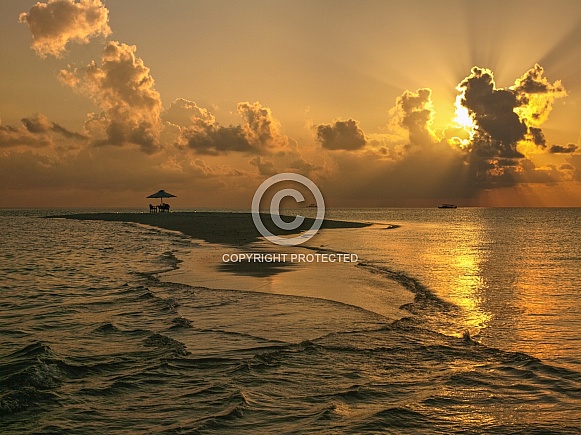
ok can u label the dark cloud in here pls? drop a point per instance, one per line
(213, 139)
(528, 172)
(533, 82)
(91, 169)
(341, 135)
(533, 87)
(56, 23)
(558, 149)
(538, 137)
(499, 127)
(504, 118)
(408, 166)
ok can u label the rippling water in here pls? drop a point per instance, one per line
(514, 273)
(92, 341)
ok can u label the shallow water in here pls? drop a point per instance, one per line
(93, 341)
(514, 273)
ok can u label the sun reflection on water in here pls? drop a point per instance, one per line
(467, 281)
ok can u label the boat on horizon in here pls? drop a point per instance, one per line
(447, 206)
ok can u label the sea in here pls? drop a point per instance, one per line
(98, 336)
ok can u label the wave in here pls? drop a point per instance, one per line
(181, 322)
(106, 328)
(164, 342)
(29, 377)
(231, 408)
(424, 297)
(398, 417)
(160, 360)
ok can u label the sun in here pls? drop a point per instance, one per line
(463, 118)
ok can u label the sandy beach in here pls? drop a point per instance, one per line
(224, 228)
(235, 229)
(232, 234)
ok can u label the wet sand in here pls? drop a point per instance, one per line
(223, 233)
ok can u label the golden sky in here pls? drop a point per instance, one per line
(381, 103)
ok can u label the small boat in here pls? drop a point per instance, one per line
(447, 206)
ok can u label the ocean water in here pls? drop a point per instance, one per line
(94, 338)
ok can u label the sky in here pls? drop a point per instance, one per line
(380, 103)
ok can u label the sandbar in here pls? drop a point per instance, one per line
(228, 228)
(230, 233)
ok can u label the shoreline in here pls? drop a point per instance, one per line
(234, 234)
(340, 282)
(226, 228)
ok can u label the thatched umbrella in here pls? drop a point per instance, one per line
(162, 194)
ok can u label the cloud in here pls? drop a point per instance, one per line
(204, 137)
(341, 135)
(433, 176)
(36, 131)
(94, 169)
(573, 166)
(409, 128)
(507, 125)
(407, 166)
(414, 112)
(123, 88)
(499, 127)
(567, 167)
(261, 128)
(302, 166)
(535, 96)
(182, 112)
(558, 149)
(265, 167)
(483, 149)
(412, 164)
(39, 123)
(56, 23)
(12, 137)
(199, 131)
(259, 134)
(284, 161)
(538, 137)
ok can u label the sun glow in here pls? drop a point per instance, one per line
(463, 118)
(462, 126)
